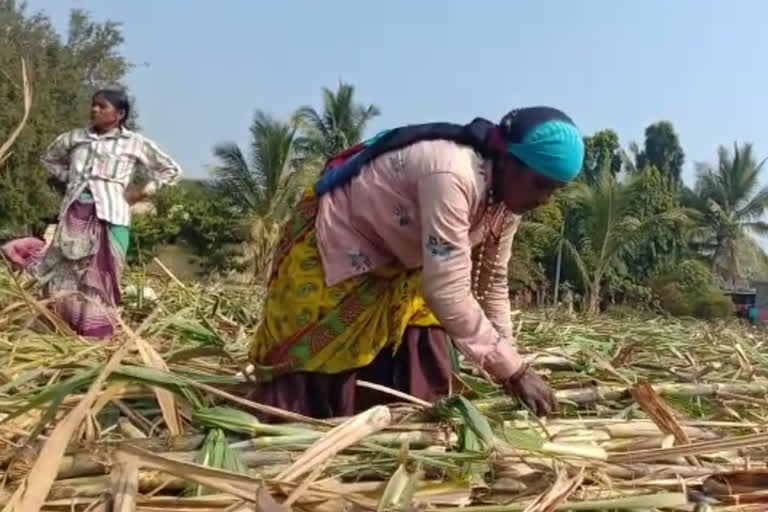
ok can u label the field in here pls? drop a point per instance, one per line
(655, 414)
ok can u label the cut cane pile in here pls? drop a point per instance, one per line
(655, 414)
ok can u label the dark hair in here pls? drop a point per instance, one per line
(118, 99)
(517, 123)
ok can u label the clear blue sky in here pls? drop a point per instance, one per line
(609, 63)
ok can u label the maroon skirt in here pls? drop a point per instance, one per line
(421, 367)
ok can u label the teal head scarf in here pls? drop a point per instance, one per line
(545, 140)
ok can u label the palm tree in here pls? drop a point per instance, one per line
(265, 183)
(605, 229)
(727, 204)
(339, 125)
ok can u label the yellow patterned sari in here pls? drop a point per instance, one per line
(310, 327)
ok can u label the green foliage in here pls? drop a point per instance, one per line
(688, 289)
(662, 150)
(64, 72)
(284, 160)
(148, 233)
(339, 125)
(600, 150)
(535, 247)
(619, 237)
(673, 300)
(212, 227)
(713, 304)
(193, 214)
(266, 181)
(666, 241)
(607, 231)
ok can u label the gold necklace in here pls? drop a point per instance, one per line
(491, 216)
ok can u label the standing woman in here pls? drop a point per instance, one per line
(401, 250)
(81, 268)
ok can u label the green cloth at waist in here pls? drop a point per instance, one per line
(119, 235)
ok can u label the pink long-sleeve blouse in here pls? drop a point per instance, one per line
(426, 206)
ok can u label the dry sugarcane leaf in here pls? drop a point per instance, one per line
(165, 398)
(267, 409)
(299, 491)
(235, 484)
(560, 491)
(106, 396)
(266, 503)
(43, 472)
(337, 439)
(660, 413)
(125, 484)
(130, 430)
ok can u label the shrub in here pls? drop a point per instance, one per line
(688, 289)
(673, 300)
(148, 233)
(712, 304)
(195, 215)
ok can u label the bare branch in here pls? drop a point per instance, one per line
(6, 146)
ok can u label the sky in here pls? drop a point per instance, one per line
(204, 67)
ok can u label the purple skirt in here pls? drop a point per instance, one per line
(421, 367)
(80, 271)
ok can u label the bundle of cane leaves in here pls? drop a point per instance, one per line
(184, 325)
(241, 422)
(476, 436)
(217, 454)
(461, 411)
(51, 397)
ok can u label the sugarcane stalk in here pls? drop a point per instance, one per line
(125, 484)
(558, 423)
(597, 394)
(415, 438)
(268, 463)
(130, 430)
(100, 484)
(702, 448)
(648, 501)
(640, 470)
(352, 431)
(153, 444)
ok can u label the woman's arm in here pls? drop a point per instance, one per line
(161, 168)
(56, 157)
(444, 203)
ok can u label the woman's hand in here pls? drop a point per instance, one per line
(528, 387)
(133, 195)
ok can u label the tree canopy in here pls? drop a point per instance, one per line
(617, 234)
(64, 71)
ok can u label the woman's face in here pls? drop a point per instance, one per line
(523, 189)
(104, 115)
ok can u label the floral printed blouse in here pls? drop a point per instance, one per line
(425, 206)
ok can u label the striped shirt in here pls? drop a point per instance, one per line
(105, 164)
